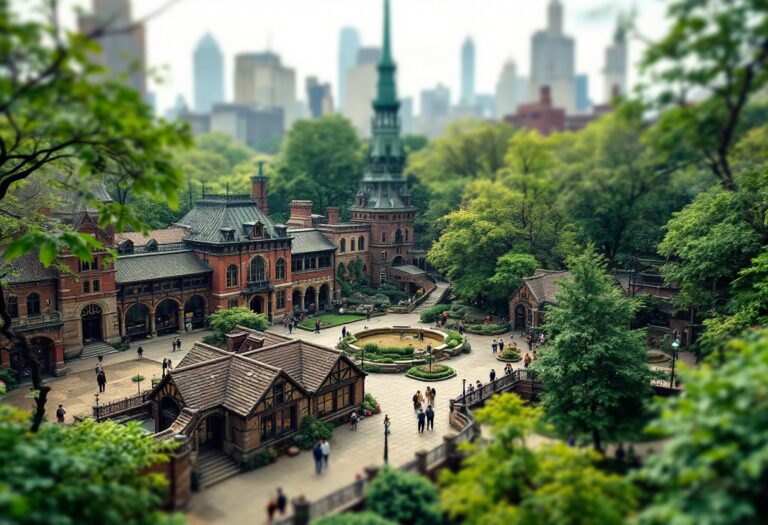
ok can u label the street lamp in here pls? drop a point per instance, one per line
(429, 357)
(97, 407)
(463, 391)
(386, 438)
(675, 345)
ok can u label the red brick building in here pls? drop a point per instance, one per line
(541, 115)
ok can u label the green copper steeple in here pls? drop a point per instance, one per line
(386, 91)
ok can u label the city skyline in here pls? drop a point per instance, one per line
(309, 43)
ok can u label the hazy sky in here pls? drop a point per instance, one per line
(427, 36)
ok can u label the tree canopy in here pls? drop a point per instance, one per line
(224, 321)
(403, 498)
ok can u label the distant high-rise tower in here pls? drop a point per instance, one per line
(262, 81)
(209, 74)
(361, 89)
(122, 52)
(583, 104)
(349, 43)
(616, 63)
(511, 90)
(467, 72)
(319, 98)
(553, 61)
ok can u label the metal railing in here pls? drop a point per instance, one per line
(36, 320)
(108, 410)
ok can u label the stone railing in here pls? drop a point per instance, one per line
(36, 321)
(130, 405)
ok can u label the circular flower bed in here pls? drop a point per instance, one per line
(438, 373)
(657, 357)
(509, 356)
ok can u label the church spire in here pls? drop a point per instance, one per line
(386, 92)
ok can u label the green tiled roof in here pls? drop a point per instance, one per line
(308, 241)
(214, 213)
(159, 265)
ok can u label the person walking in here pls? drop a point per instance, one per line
(343, 332)
(140, 351)
(620, 454)
(317, 326)
(416, 401)
(501, 345)
(169, 365)
(282, 501)
(419, 397)
(353, 420)
(421, 335)
(317, 454)
(101, 379)
(471, 391)
(290, 326)
(461, 327)
(100, 360)
(530, 342)
(271, 509)
(326, 449)
(527, 360)
(428, 395)
(432, 395)
(165, 366)
(430, 418)
(494, 345)
(60, 413)
(421, 418)
(492, 375)
(368, 314)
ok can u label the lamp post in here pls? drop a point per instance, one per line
(429, 357)
(675, 345)
(97, 407)
(386, 439)
(463, 391)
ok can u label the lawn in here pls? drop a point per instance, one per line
(330, 320)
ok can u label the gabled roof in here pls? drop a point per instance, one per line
(268, 337)
(214, 213)
(543, 285)
(170, 235)
(201, 352)
(26, 269)
(158, 265)
(309, 241)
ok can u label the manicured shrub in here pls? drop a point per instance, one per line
(488, 329)
(430, 314)
(372, 369)
(260, 459)
(369, 402)
(510, 354)
(438, 371)
(404, 498)
(350, 518)
(311, 431)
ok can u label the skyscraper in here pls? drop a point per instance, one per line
(467, 73)
(209, 74)
(616, 62)
(435, 107)
(263, 82)
(583, 104)
(122, 52)
(349, 43)
(319, 98)
(511, 90)
(361, 89)
(553, 61)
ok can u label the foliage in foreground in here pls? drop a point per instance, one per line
(404, 498)
(223, 322)
(504, 482)
(349, 518)
(87, 473)
(714, 469)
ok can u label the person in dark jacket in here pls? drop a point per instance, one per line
(421, 418)
(317, 454)
(430, 418)
(101, 379)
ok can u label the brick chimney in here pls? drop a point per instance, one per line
(301, 215)
(259, 189)
(545, 96)
(333, 214)
(235, 340)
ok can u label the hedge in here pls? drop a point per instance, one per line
(438, 372)
(373, 348)
(488, 329)
(430, 314)
(510, 356)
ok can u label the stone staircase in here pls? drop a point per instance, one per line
(215, 466)
(433, 298)
(96, 349)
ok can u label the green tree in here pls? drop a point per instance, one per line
(510, 270)
(414, 142)
(503, 482)
(224, 321)
(717, 48)
(225, 146)
(357, 518)
(594, 371)
(42, 474)
(322, 161)
(714, 468)
(403, 498)
(54, 118)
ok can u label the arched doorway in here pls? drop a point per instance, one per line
(167, 317)
(397, 261)
(91, 317)
(310, 299)
(137, 321)
(520, 317)
(296, 299)
(211, 435)
(257, 304)
(194, 312)
(325, 296)
(169, 411)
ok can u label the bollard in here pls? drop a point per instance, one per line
(421, 462)
(300, 511)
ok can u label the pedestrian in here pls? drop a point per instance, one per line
(620, 453)
(430, 418)
(471, 391)
(140, 351)
(571, 441)
(271, 509)
(432, 395)
(530, 342)
(421, 335)
(527, 360)
(494, 345)
(101, 379)
(290, 326)
(165, 366)
(101, 359)
(173, 345)
(368, 314)
(461, 327)
(427, 394)
(178, 344)
(416, 401)
(541, 338)
(317, 454)
(421, 418)
(317, 326)
(501, 345)
(343, 332)
(493, 375)
(169, 365)
(353, 420)
(282, 501)
(326, 448)
(402, 334)
(419, 397)
(60, 413)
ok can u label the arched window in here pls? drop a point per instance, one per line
(352, 245)
(12, 305)
(383, 236)
(406, 234)
(361, 243)
(343, 245)
(280, 269)
(257, 270)
(398, 236)
(33, 304)
(231, 275)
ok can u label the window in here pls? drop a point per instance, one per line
(232, 275)
(324, 260)
(96, 286)
(383, 236)
(87, 266)
(232, 303)
(352, 245)
(325, 403)
(383, 256)
(406, 234)
(12, 305)
(280, 299)
(279, 394)
(257, 270)
(361, 243)
(345, 396)
(398, 236)
(280, 269)
(310, 263)
(343, 245)
(267, 427)
(86, 287)
(33, 304)
(297, 264)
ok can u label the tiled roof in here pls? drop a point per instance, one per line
(203, 385)
(212, 213)
(543, 284)
(306, 363)
(409, 269)
(26, 269)
(158, 265)
(199, 353)
(247, 382)
(170, 235)
(269, 338)
(308, 241)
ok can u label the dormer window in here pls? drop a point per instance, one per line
(258, 231)
(152, 245)
(227, 234)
